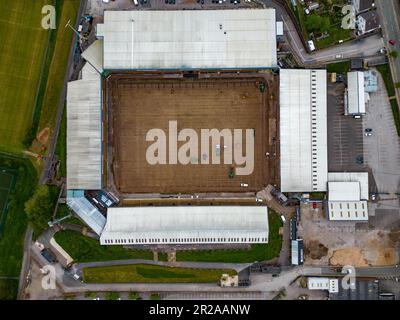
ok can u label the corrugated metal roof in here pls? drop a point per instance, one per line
(217, 224)
(192, 39)
(87, 212)
(348, 210)
(355, 93)
(303, 130)
(84, 131)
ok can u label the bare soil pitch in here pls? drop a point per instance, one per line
(137, 105)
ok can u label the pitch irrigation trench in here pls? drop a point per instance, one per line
(136, 104)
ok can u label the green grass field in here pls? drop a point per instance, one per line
(84, 249)
(22, 46)
(58, 65)
(151, 273)
(6, 184)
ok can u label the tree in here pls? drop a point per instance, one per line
(133, 295)
(155, 296)
(397, 85)
(325, 24)
(39, 208)
(394, 54)
(112, 296)
(313, 23)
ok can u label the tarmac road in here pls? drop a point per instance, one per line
(366, 47)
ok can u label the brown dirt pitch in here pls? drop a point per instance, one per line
(137, 105)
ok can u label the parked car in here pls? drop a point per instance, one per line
(283, 218)
(392, 42)
(368, 134)
(311, 45)
(368, 130)
(48, 255)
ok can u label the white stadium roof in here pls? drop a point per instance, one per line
(84, 131)
(192, 39)
(186, 225)
(94, 55)
(303, 130)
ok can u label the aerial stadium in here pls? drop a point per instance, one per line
(189, 71)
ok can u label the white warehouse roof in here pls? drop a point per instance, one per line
(191, 39)
(361, 177)
(84, 131)
(348, 210)
(332, 285)
(344, 191)
(185, 225)
(303, 130)
(355, 100)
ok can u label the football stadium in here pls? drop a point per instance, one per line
(155, 81)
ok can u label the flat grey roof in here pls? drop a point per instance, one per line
(303, 130)
(192, 39)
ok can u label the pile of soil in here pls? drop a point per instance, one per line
(315, 250)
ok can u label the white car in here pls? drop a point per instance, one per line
(311, 45)
(283, 218)
(244, 185)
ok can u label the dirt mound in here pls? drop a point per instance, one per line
(315, 250)
(348, 256)
(43, 136)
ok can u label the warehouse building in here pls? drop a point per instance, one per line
(316, 283)
(348, 196)
(303, 130)
(185, 225)
(354, 98)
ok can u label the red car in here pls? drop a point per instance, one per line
(392, 42)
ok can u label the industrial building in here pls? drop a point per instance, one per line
(348, 196)
(316, 283)
(303, 129)
(354, 98)
(297, 252)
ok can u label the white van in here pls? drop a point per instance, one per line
(311, 45)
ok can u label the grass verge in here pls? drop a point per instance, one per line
(340, 67)
(390, 88)
(151, 273)
(84, 249)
